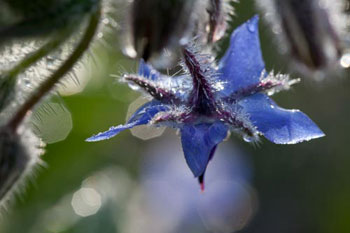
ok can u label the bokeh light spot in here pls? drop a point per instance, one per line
(52, 122)
(86, 202)
(143, 132)
(345, 60)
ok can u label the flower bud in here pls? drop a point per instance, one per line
(153, 25)
(43, 17)
(219, 12)
(29, 9)
(18, 154)
(310, 31)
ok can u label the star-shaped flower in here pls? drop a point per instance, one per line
(208, 101)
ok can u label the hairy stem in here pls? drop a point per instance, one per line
(50, 83)
(37, 55)
(9, 77)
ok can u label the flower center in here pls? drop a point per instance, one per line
(201, 99)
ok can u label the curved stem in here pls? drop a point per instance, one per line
(37, 55)
(50, 83)
(9, 77)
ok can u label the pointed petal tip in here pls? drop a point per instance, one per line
(308, 136)
(90, 139)
(147, 70)
(201, 183)
(98, 137)
(316, 135)
(142, 62)
(94, 138)
(202, 186)
(255, 18)
(144, 68)
(279, 125)
(319, 134)
(242, 64)
(199, 143)
(253, 24)
(111, 132)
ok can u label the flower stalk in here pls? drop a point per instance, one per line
(50, 83)
(9, 78)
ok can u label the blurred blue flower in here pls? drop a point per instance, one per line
(208, 101)
(171, 200)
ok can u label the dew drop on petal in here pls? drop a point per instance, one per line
(134, 87)
(144, 132)
(251, 27)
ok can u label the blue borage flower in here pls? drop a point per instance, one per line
(208, 101)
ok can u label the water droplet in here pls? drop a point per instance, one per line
(270, 93)
(105, 21)
(133, 86)
(247, 138)
(27, 83)
(345, 60)
(251, 27)
(99, 35)
(276, 29)
(129, 51)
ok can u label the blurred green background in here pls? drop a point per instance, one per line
(298, 188)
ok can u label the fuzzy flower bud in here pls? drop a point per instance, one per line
(41, 17)
(18, 154)
(28, 9)
(310, 31)
(157, 24)
(218, 12)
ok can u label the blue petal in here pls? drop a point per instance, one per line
(142, 116)
(198, 141)
(279, 125)
(147, 111)
(148, 71)
(242, 65)
(177, 84)
(111, 132)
